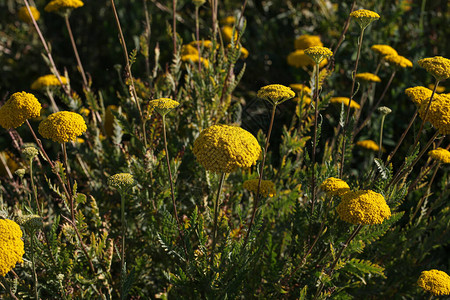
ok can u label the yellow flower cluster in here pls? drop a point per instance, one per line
(435, 281)
(25, 16)
(305, 41)
(300, 88)
(364, 207)
(418, 94)
(298, 58)
(440, 154)
(318, 53)
(224, 148)
(369, 77)
(437, 66)
(244, 52)
(267, 187)
(163, 105)
(62, 126)
(364, 17)
(202, 43)
(439, 89)
(335, 186)
(340, 100)
(227, 32)
(20, 107)
(62, 6)
(439, 112)
(398, 61)
(121, 181)
(47, 81)
(230, 20)
(384, 50)
(275, 93)
(368, 144)
(193, 58)
(11, 245)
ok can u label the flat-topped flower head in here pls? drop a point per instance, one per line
(398, 61)
(384, 50)
(30, 152)
(276, 93)
(438, 113)
(384, 110)
(318, 53)
(63, 7)
(20, 107)
(364, 207)
(224, 148)
(334, 186)
(193, 59)
(11, 245)
(340, 100)
(31, 223)
(440, 154)
(364, 17)
(267, 187)
(121, 181)
(368, 144)
(437, 66)
(24, 15)
(163, 105)
(62, 126)
(47, 81)
(418, 94)
(305, 41)
(435, 281)
(368, 77)
(299, 59)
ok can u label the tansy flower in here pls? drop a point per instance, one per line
(437, 66)
(230, 20)
(318, 53)
(369, 77)
(11, 245)
(267, 187)
(335, 186)
(398, 61)
(435, 281)
(440, 154)
(368, 144)
(121, 181)
(364, 207)
(364, 17)
(62, 126)
(193, 58)
(340, 100)
(25, 16)
(188, 49)
(439, 112)
(275, 93)
(63, 6)
(418, 94)
(47, 81)
(384, 50)
(227, 32)
(20, 107)
(439, 89)
(305, 41)
(224, 148)
(163, 105)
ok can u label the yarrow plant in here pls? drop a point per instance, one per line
(334, 186)
(434, 281)
(267, 188)
(62, 127)
(20, 107)
(11, 245)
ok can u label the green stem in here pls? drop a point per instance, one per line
(381, 136)
(33, 187)
(216, 212)
(426, 195)
(425, 115)
(33, 265)
(313, 154)
(124, 232)
(197, 36)
(74, 47)
(174, 26)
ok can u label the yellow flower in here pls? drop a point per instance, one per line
(300, 88)
(267, 187)
(440, 154)
(11, 245)
(227, 32)
(418, 94)
(335, 186)
(398, 61)
(318, 53)
(121, 181)
(305, 41)
(62, 126)
(224, 148)
(189, 49)
(437, 66)
(364, 17)
(63, 6)
(203, 43)
(384, 50)
(230, 20)
(364, 207)
(198, 2)
(340, 100)
(275, 93)
(193, 58)
(369, 77)
(244, 52)
(47, 81)
(299, 59)
(163, 105)
(25, 16)
(20, 107)
(435, 281)
(368, 144)
(439, 112)
(439, 89)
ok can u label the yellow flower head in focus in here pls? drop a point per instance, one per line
(364, 207)
(121, 181)
(340, 100)
(163, 105)
(440, 154)
(189, 49)
(25, 16)
(193, 58)
(437, 66)
(435, 281)
(439, 89)
(418, 94)
(20, 107)
(305, 41)
(318, 53)
(47, 81)
(275, 93)
(335, 186)
(398, 61)
(384, 50)
(224, 148)
(11, 245)
(364, 17)
(368, 144)
(227, 33)
(267, 187)
(63, 7)
(439, 112)
(230, 20)
(62, 126)
(369, 77)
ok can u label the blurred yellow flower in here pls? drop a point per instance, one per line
(439, 89)
(435, 281)
(230, 20)
(25, 16)
(340, 100)
(418, 94)
(188, 49)
(47, 81)
(368, 144)
(202, 43)
(300, 88)
(193, 58)
(384, 50)
(11, 245)
(227, 33)
(275, 93)
(437, 66)
(440, 154)
(62, 126)
(334, 186)
(299, 59)
(267, 187)
(20, 107)
(398, 61)
(305, 41)
(369, 77)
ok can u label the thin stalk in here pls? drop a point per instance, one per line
(197, 37)
(174, 26)
(8, 287)
(33, 265)
(426, 194)
(66, 164)
(214, 6)
(52, 99)
(426, 114)
(75, 51)
(381, 136)
(180, 231)
(391, 155)
(33, 187)
(313, 154)
(216, 212)
(148, 34)
(124, 232)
